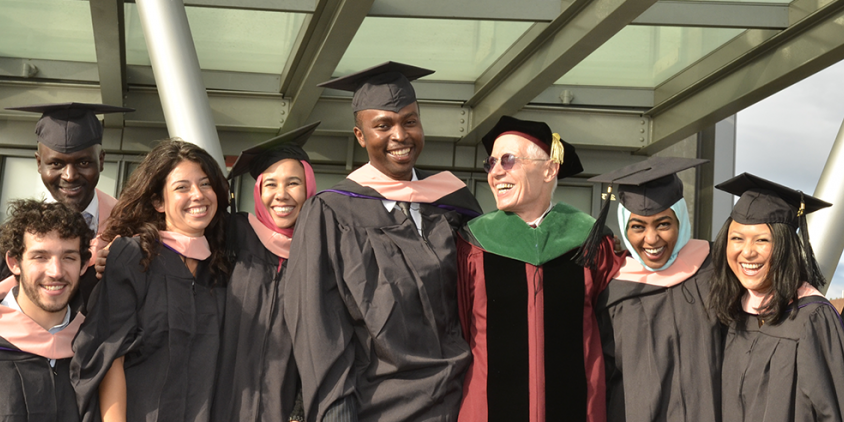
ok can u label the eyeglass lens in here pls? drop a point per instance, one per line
(507, 161)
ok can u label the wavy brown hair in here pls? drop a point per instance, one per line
(787, 271)
(135, 214)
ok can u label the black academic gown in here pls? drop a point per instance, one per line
(166, 324)
(258, 379)
(33, 391)
(372, 307)
(662, 351)
(793, 371)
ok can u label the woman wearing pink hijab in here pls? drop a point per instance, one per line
(258, 380)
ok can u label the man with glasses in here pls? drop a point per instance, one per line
(525, 305)
(369, 295)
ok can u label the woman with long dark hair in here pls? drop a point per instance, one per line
(148, 348)
(258, 378)
(784, 352)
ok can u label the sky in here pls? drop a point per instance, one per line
(787, 137)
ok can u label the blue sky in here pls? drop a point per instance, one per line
(787, 137)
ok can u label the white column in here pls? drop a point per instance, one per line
(177, 76)
(826, 227)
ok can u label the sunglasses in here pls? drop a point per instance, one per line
(507, 161)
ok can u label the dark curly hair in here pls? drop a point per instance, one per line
(135, 213)
(787, 271)
(40, 217)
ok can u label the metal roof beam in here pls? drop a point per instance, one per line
(803, 49)
(333, 27)
(571, 37)
(109, 40)
(715, 14)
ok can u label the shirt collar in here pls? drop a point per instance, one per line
(93, 208)
(538, 221)
(390, 204)
(11, 302)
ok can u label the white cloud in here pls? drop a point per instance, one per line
(787, 137)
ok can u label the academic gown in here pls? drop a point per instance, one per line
(662, 349)
(258, 380)
(165, 322)
(793, 371)
(30, 389)
(88, 280)
(371, 306)
(528, 314)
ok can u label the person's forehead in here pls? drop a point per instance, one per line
(48, 241)
(510, 143)
(90, 152)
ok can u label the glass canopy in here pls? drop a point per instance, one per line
(47, 29)
(646, 56)
(459, 50)
(227, 39)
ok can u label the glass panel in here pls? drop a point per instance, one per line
(227, 39)
(20, 180)
(459, 50)
(47, 29)
(646, 56)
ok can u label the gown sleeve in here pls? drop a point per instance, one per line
(820, 367)
(110, 329)
(319, 322)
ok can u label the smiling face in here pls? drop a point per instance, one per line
(188, 201)
(654, 237)
(749, 249)
(525, 188)
(283, 191)
(392, 140)
(48, 271)
(71, 178)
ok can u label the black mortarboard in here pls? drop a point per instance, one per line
(651, 186)
(70, 127)
(645, 188)
(763, 201)
(383, 87)
(540, 134)
(258, 158)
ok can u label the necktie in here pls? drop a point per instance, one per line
(405, 208)
(88, 218)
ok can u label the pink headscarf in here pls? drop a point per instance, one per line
(266, 231)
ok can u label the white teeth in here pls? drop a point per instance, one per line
(53, 288)
(504, 186)
(400, 152)
(654, 251)
(748, 266)
(197, 210)
(283, 210)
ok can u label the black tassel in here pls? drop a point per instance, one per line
(813, 269)
(231, 251)
(587, 256)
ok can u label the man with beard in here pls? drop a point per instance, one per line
(47, 248)
(70, 158)
(370, 285)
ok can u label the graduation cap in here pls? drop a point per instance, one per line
(260, 157)
(383, 87)
(70, 127)
(540, 134)
(762, 201)
(645, 188)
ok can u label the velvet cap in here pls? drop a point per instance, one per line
(535, 131)
(763, 201)
(70, 127)
(383, 87)
(651, 186)
(260, 157)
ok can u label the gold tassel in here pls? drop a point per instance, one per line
(557, 150)
(802, 209)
